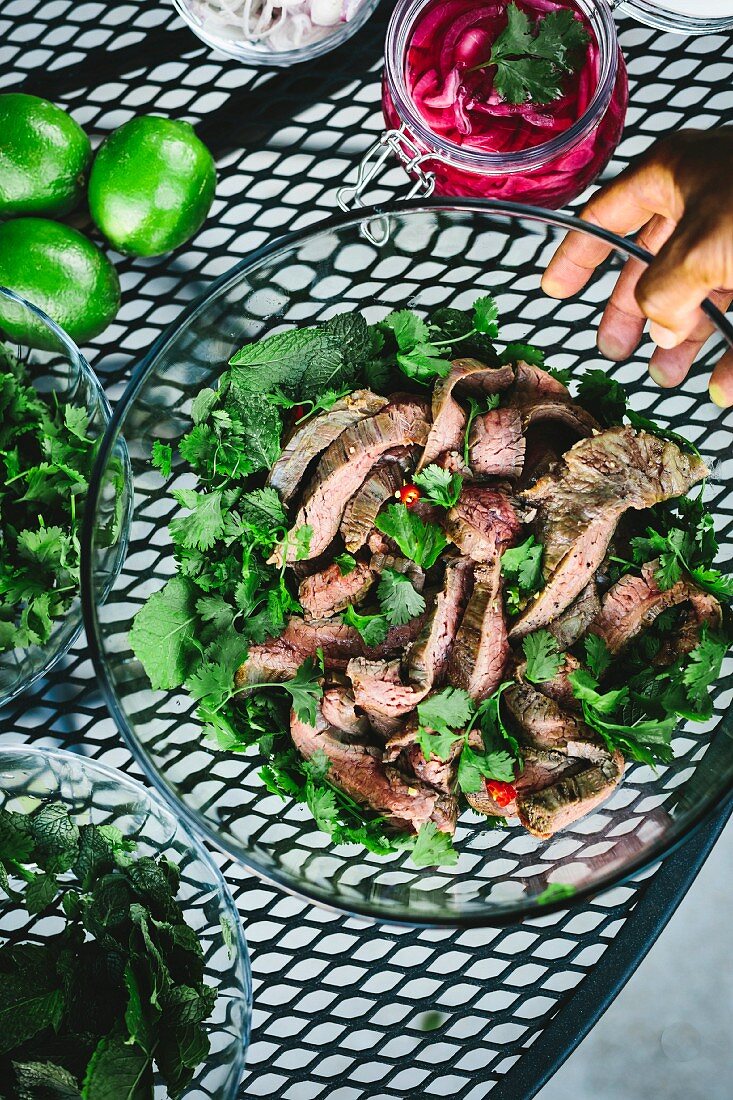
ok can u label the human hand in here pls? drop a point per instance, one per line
(679, 197)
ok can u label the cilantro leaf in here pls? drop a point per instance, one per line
(303, 536)
(446, 710)
(597, 656)
(521, 567)
(408, 327)
(422, 542)
(305, 689)
(372, 628)
(203, 526)
(527, 353)
(543, 657)
(585, 688)
(423, 363)
(439, 485)
(485, 316)
(474, 767)
(433, 848)
(162, 457)
(531, 66)
(398, 599)
(704, 665)
(603, 397)
(436, 744)
(346, 563)
(163, 635)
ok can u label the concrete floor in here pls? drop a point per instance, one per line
(669, 1035)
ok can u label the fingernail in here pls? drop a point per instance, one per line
(664, 337)
(610, 347)
(658, 375)
(718, 396)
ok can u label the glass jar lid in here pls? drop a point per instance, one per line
(681, 16)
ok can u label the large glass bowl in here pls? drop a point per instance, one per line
(441, 253)
(58, 370)
(95, 794)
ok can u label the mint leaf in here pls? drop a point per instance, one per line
(422, 542)
(163, 635)
(29, 1003)
(118, 1070)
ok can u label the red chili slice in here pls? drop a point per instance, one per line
(502, 793)
(409, 495)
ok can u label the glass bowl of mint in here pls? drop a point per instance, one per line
(53, 414)
(214, 667)
(123, 966)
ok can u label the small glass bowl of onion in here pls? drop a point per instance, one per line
(274, 32)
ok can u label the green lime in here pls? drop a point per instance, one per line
(44, 157)
(151, 186)
(61, 272)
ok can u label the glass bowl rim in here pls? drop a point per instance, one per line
(245, 52)
(77, 357)
(513, 212)
(194, 842)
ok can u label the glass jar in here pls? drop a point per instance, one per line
(549, 173)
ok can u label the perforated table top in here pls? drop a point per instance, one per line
(343, 1009)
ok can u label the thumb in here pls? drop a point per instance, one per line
(677, 280)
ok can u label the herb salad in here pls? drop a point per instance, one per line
(95, 1009)
(385, 587)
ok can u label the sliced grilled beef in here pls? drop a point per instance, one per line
(428, 657)
(378, 688)
(532, 385)
(357, 768)
(363, 508)
(280, 658)
(496, 444)
(564, 414)
(481, 650)
(542, 724)
(634, 603)
(403, 747)
(572, 623)
(345, 466)
(339, 710)
(545, 812)
(411, 569)
(311, 438)
(581, 502)
(482, 523)
(323, 594)
(449, 418)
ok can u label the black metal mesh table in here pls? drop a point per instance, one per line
(343, 1009)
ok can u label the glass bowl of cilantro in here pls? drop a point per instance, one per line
(285, 339)
(53, 413)
(122, 956)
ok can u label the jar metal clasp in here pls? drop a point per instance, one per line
(397, 143)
